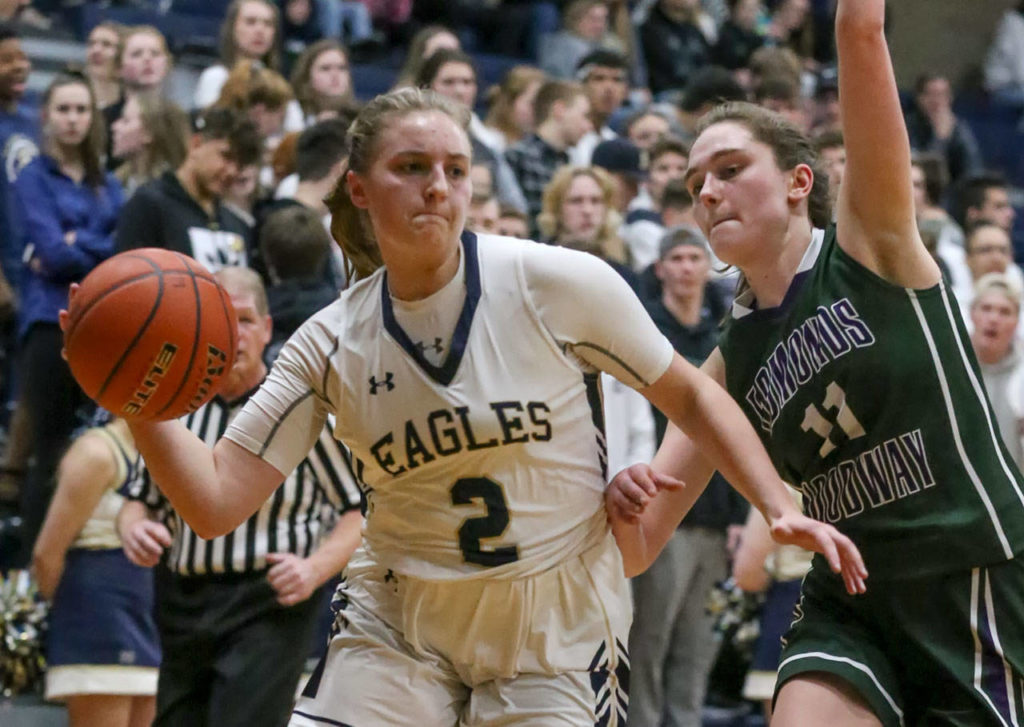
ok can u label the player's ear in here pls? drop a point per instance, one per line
(356, 189)
(801, 181)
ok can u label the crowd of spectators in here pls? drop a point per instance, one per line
(583, 142)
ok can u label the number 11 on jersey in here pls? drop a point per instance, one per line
(815, 421)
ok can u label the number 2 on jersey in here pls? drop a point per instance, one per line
(493, 524)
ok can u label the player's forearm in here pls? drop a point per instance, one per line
(333, 553)
(713, 430)
(718, 427)
(182, 465)
(634, 545)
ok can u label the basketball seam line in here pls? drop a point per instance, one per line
(138, 335)
(195, 340)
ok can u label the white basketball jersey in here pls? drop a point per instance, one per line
(490, 464)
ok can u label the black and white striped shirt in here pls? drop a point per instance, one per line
(292, 520)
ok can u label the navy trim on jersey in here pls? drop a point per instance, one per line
(595, 398)
(645, 215)
(779, 311)
(324, 720)
(444, 373)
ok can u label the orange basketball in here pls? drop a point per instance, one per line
(150, 334)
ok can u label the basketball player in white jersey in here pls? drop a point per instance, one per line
(462, 371)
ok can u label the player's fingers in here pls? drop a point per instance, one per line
(146, 544)
(853, 564)
(132, 553)
(827, 547)
(140, 556)
(642, 476)
(631, 504)
(280, 576)
(667, 482)
(635, 493)
(160, 534)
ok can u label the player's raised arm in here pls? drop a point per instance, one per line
(875, 218)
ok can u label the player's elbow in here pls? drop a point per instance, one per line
(207, 530)
(852, 26)
(633, 569)
(209, 523)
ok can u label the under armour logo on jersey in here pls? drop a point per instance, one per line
(436, 345)
(388, 383)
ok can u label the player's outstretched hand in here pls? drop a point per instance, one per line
(144, 542)
(292, 577)
(633, 489)
(840, 552)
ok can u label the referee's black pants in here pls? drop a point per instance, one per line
(232, 656)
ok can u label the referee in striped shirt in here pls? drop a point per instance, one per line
(235, 613)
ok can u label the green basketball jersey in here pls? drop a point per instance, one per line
(868, 398)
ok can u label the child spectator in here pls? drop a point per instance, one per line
(320, 153)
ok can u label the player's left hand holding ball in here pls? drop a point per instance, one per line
(149, 334)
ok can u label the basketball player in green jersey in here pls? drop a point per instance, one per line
(848, 354)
